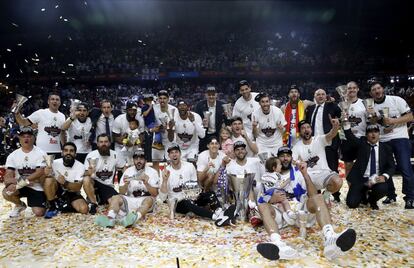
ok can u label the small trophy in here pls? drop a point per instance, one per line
(22, 182)
(172, 204)
(369, 104)
(228, 110)
(263, 157)
(92, 163)
(172, 118)
(207, 115)
(20, 100)
(49, 160)
(74, 103)
(344, 104)
(303, 218)
(385, 112)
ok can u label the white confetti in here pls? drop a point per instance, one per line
(86, 3)
(21, 71)
(14, 24)
(56, 6)
(26, 61)
(51, 57)
(36, 55)
(36, 72)
(63, 72)
(65, 19)
(4, 66)
(43, 9)
(7, 75)
(139, 41)
(61, 17)
(19, 44)
(9, 50)
(70, 64)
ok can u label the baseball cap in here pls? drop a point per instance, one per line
(284, 150)
(260, 96)
(243, 83)
(238, 144)
(163, 92)
(25, 130)
(139, 152)
(131, 105)
(173, 146)
(211, 89)
(302, 122)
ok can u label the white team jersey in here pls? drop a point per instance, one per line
(397, 106)
(357, 118)
(187, 133)
(182, 181)
(252, 165)
(268, 133)
(137, 186)
(204, 159)
(72, 174)
(313, 153)
(106, 166)
(79, 133)
(244, 109)
(25, 164)
(49, 125)
(164, 118)
(121, 126)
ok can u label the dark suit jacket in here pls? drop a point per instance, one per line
(202, 106)
(94, 114)
(386, 159)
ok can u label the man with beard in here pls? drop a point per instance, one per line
(180, 186)
(24, 176)
(312, 151)
(137, 190)
(98, 182)
(164, 113)
(239, 134)
(63, 183)
(245, 105)
(394, 114)
(49, 124)
(335, 244)
(294, 112)
(189, 130)
(268, 125)
(121, 126)
(79, 127)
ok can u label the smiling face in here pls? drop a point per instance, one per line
(213, 146)
(265, 104)
(245, 92)
(352, 90)
(320, 96)
(377, 91)
(240, 153)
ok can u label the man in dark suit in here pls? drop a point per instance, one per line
(213, 123)
(318, 115)
(374, 165)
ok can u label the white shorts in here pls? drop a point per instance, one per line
(133, 204)
(159, 155)
(272, 150)
(190, 153)
(320, 178)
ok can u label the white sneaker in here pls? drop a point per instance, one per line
(277, 250)
(290, 218)
(17, 210)
(336, 244)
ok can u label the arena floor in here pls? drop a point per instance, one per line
(385, 239)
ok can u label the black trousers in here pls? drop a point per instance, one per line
(198, 207)
(358, 192)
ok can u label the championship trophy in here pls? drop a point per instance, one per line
(49, 161)
(303, 219)
(22, 182)
(92, 163)
(263, 157)
(172, 204)
(228, 110)
(207, 115)
(241, 186)
(385, 112)
(74, 103)
(344, 104)
(20, 100)
(369, 104)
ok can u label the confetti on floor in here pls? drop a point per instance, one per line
(385, 239)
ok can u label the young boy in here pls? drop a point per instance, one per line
(150, 122)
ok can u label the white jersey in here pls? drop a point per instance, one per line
(252, 165)
(136, 185)
(313, 153)
(357, 118)
(25, 164)
(49, 125)
(162, 118)
(188, 134)
(244, 109)
(397, 107)
(204, 159)
(248, 150)
(72, 174)
(79, 133)
(121, 127)
(106, 166)
(183, 183)
(268, 133)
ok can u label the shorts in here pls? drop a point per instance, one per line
(348, 151)
(320, 178)
(133, 204)
(272, 150)
(65, 199)
(190, 154)
(103, 192)
(159, 155)
(34, 198)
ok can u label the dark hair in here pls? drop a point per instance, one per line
(236, 118)
(293, 87)
(302, 122)
(243, 83)
(103, 135)
(104, 101)
(373, 83)
(69, 143)
(271, 162)
(55, 93)
(134, 120)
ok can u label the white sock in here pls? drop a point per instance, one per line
(327, 230)
(112, 214)
(275, 237)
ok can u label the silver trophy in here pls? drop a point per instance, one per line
(241, 186)
(369, 104)
(228, 110)
(207, 115)
(20, 100)
(92, 163)
(385, 113)
(274, 102)
(49, 160)
(344, 104)
(22, 182)
(191, 189)
(303, 219)
(263, 157)
(74, 103)
(172, 205)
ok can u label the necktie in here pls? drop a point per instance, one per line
(313, 119)
(372, 168)
(107, 129)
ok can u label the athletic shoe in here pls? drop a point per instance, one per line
(92, 208)
(129, 219)
(389, 200)
(226, 217)
(17, 210)
(289, 218)
(336, 244)
(51, 213)
(276, 250)
(104, 221)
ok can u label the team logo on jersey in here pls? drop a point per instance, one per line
(268, 131)
(66, 174)
(311, 162)
(249, 117)
(26, 158)
(185, 137)
(26, 171)
(53, 131)
(355, 121)
(104, 174)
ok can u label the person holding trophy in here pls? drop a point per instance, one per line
(25, 175)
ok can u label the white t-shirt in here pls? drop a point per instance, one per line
(135, 183)
(49, 126)
(79, 133)
(179, 180)
(187, 133)
(397, 106)
(25, 164)
(357, 118)
(313, 153)
(204, 159)
(121, 126)
(252, 165)
(72, 174)
(244, 109)
(106, 166)
(268, 133)
(163, 118)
